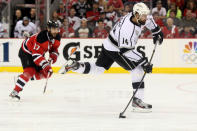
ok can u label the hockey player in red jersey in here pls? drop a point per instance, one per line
(31, 53)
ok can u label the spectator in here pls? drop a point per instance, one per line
(117, 5)
(112, 15)
(127, 8)
(55, 18)
(100, 31)
(179, 3)
(66, 31)
(189, 20)
(33, 19)
(186, 32)
(107, 22)
(177, 10)
(83, 31)
(161, 10)
(191, 5)
(170, 30)
(93, 15)
(175, 19)
(17, 17)
(102, 5)
(81, 8)
(61, 11)
(74, 21)
(33, 15)
(157, 19)
(24, 28)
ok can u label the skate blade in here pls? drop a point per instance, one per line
(141, 110)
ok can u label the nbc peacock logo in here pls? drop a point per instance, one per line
(190, 53)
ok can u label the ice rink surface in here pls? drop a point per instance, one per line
(92, 103)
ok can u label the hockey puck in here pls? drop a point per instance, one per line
(121, 116)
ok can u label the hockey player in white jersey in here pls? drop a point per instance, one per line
(120, 47)
(24, 28)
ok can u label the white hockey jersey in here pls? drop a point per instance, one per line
(20, 29)
(124, 36)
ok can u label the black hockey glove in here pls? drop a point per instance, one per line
(157, 35)
(147, 67)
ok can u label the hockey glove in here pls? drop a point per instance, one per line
(46, 70)
(157, 35)
(147, 67)
(53, 56)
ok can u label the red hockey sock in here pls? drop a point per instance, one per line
(24, 78)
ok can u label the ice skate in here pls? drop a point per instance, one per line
(139, 106)
(14, 95)
(68, 66)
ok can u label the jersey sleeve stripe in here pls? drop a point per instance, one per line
(153, 23)
(35, 58)
(25, 46)
(120, 30)
(132, 35)
(55, 53)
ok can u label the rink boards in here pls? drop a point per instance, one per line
(173, 56)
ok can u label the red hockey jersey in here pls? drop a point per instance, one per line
(38, 44)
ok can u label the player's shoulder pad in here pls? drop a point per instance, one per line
(19, 22)
(31, 24)
(42, 37)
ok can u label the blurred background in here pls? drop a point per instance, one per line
(93, 18)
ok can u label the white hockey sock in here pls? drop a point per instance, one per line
(140, 93)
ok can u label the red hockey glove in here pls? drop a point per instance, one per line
(53, 56)
(46, 70)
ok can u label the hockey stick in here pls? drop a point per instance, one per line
(61, 71)
(45, 86)
(46, 82)
(50, 61)
(121, 115)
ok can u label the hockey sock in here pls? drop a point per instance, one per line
(24, 78)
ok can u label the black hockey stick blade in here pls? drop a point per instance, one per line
(121, 115)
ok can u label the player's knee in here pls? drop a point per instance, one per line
(29, 72)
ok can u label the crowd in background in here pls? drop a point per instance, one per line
(95, 18)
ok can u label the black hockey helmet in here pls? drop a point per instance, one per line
(53, 24)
